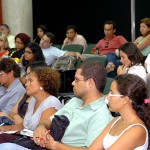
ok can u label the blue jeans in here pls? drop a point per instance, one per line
(112, 57)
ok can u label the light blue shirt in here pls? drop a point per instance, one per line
(86, 122)
(10, 96)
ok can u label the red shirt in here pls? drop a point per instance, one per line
(106, 45)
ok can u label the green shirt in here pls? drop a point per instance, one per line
(86, 122)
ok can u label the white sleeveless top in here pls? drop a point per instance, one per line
(109, 139)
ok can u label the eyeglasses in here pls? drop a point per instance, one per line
(27, 52)
(111, 94)
(79, 79)
(106, 45)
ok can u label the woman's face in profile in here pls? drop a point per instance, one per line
(124, 59)
(144, 28)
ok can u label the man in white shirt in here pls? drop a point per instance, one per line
(50, 52)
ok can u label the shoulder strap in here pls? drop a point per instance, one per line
(21, 103)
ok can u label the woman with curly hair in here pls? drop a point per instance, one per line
(128, 96)
(43, 85)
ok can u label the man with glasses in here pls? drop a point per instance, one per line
(87, 111)
(11, 88)
(108, 45)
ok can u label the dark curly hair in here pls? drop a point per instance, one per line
(95, 70)
(49, 79)
(135, 88)
(8, 64)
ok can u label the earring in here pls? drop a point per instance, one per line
(41, 88)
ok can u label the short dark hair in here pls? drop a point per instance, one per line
(71, 27)
(111, 22)
(95, 70)
(51, 36)
(8, 64)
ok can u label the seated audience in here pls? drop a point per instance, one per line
(18, 112)
(4, 47)
(11, 88)
(72, 37)
(50, 52)
(41, 30)
(143, 41)
(131, 129)
(131, 59)
(21, 40)
(108, 46)
(4, 28)
(43, 85)
(87, 112)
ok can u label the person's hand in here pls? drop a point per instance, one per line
(38, 134)
(78, 55)
(122, 69)
(50, 143)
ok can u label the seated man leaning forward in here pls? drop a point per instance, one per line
(11, 88)
(50, 52)
(87, 112)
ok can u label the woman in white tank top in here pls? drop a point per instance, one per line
(129, 131)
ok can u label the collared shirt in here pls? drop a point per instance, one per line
(86, 122)
(51, 53)
(110, 45)
(10, 96)
(78, 39)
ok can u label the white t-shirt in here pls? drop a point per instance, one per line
(147, 61)
(52, 53)
(138, 70)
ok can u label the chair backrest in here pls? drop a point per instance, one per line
(74, 48)
(101, 59)
(107, 86)
(89, 48)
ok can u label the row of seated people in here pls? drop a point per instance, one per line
(87, 112)
(106, 46)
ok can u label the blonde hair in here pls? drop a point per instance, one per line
(3, 37)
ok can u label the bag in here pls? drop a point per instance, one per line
(58, 126)
(57, 130)
(4, 121)
(64, 63)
